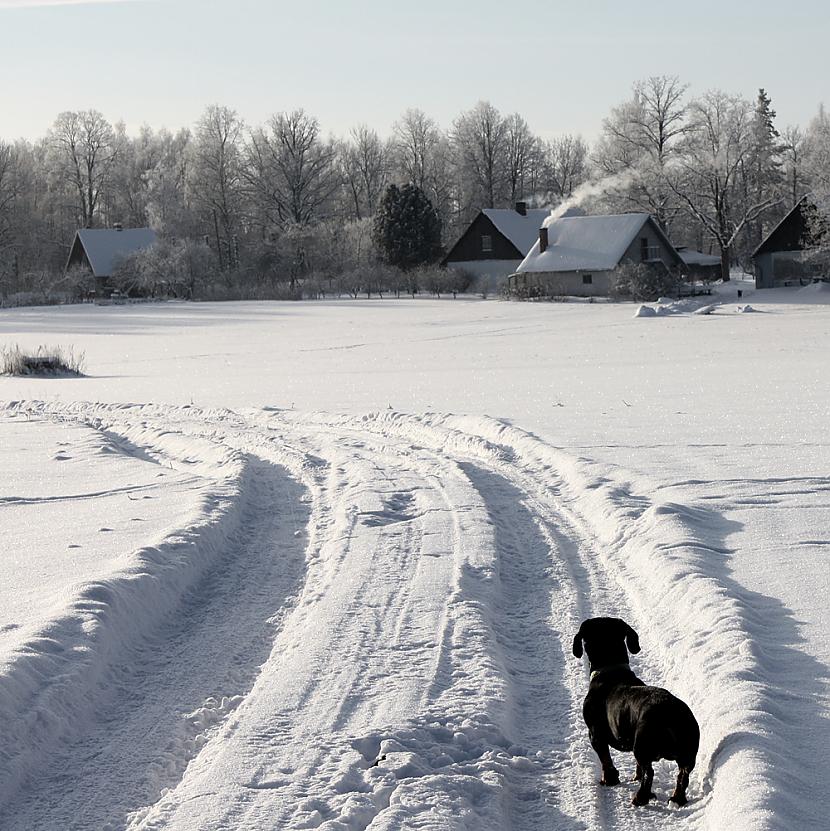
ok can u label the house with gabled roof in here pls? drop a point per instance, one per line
(577, 256)
(496, 241)
(779, 259)
(101, 249)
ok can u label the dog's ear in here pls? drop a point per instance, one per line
(577, 647)
(632, 640)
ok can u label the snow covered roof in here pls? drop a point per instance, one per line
(585, 243)
(692, 257)
(521, 229)
(105, 246)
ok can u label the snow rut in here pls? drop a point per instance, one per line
(410, 662)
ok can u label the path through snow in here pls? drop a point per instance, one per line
(370, 629)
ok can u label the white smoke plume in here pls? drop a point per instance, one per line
(589, 189)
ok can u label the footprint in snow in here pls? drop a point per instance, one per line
(61, 457)
(102, 530)
(73, 545)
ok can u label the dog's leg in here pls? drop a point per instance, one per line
(644, 793)
(638, 774)
(679, 795)
(610, 775)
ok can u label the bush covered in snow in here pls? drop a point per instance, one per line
(639, 281)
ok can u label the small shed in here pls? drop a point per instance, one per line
(577, 256)
(779, 259)
(705, 268)
(496, 241)
(101, 249)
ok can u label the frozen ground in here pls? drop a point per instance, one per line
(332, 535)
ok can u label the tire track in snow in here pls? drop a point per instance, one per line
(173, 688)
(591, 583)
(446, 575)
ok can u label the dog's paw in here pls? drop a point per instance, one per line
(641, 799)
(610, 777)
(678, 799)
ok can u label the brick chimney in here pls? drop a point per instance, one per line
(117, 226)
(521, 208)
(543, 240)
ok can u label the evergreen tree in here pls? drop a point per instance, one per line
(407, 231)
(764, 175)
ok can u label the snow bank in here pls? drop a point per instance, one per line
(667, 307)
(50, 685)
(819, 288)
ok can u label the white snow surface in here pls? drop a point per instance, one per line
(371, 533)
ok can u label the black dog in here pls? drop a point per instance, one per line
(621, 711)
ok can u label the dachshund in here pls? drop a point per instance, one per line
(621, 711)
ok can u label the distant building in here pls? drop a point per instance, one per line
(101, 249)
(578, 255)
(496, 241)
(705, 268)
(779, 259)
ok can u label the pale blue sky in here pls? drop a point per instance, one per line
(563, 65)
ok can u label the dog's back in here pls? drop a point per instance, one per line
(654, 721)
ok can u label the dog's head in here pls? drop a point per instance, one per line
(605, 640)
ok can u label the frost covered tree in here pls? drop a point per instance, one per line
(792, 151)
(364, 169)
(406, 231)
(639, 140)
(521, 147)
(415, 139)
(8, 194)
(817, 171)
(420, 154)
(705, 175)
(567, 165)
(83, 154)
(127, 196)
(169, 204)
(481, 141)
(215, 179)
(763, 172)
(817, 152)
(290, 170)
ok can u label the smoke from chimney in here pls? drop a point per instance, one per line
(589, 189)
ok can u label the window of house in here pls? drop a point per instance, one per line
(644, 249)
(587, 279)
(486, 243)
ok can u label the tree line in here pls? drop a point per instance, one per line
(268, 207)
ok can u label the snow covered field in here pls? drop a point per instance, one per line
(319, 565)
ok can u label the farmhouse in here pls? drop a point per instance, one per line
(779, 259)
(578, 255)
(496, 241)
(100, 249)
